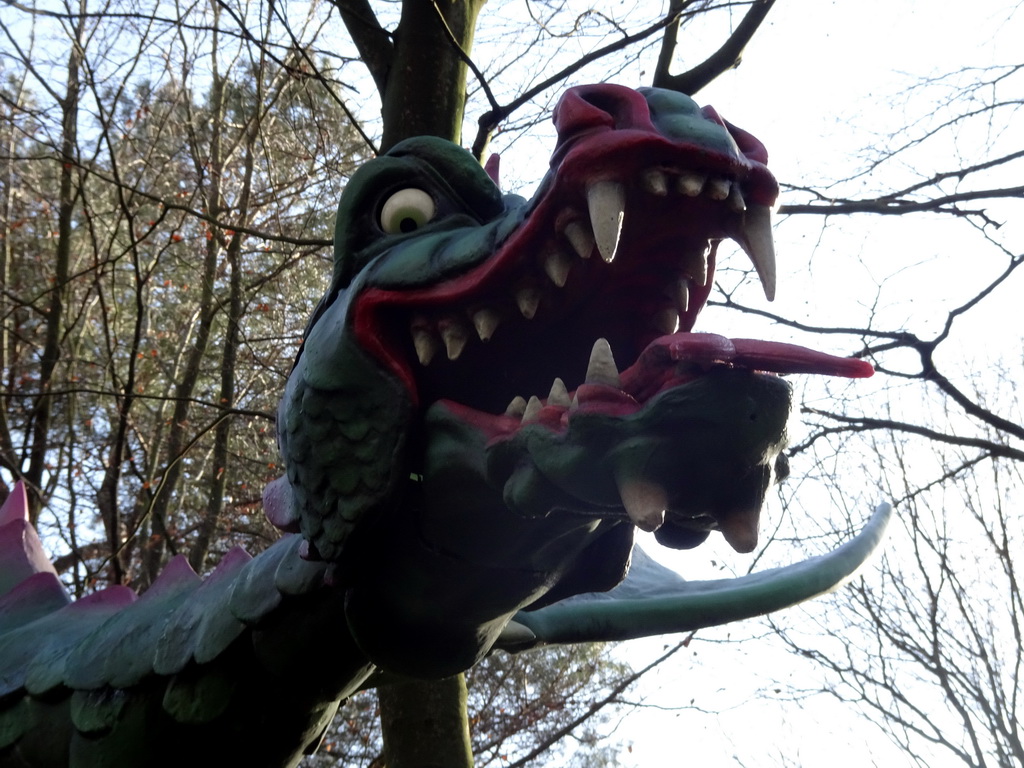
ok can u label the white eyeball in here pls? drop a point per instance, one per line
(406, 211)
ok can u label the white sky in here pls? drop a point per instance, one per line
(819, 82)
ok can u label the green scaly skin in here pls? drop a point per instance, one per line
(432, 524)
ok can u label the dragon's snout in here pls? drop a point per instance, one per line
(690, 152)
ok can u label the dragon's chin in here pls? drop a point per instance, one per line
(684, 441)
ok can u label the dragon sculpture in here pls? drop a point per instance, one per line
(490, 398)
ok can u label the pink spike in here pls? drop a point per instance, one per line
(21, 551)
(493, 168)
(111, 599)
(232, 561)
(177, 573)
(42, 591)
(16, 506)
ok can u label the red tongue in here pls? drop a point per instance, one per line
(789, 358)
(658, 361)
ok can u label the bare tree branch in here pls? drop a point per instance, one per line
(494, 117)
(610, 698)
(944, 204)
(725, 58)
(374, 43)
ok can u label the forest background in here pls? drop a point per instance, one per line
(168, 175)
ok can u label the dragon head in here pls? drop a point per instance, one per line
(511, 385)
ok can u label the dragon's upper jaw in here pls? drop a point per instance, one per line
(619, 243)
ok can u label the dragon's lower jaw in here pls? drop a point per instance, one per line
(686, 440)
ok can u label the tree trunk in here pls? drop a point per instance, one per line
(67, 196)
(425, 93)
(425, 724)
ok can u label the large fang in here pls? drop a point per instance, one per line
(601, 368)
(740, 529)
(695, 266)
(645, 503)
(606, 201)
(756, 240)
(667, 320)
(683, 296)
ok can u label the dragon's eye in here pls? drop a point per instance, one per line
(406, 210)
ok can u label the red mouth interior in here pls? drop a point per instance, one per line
(667, 232)
(667, 362)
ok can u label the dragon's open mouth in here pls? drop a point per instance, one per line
(589, 301)
(620, 262)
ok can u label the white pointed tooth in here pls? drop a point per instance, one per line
(580, 238)
(682, 296)
(601, 368)
(667, 320)
(454, 335)
(655, 182)
(736, 201)
(528, 299)
(516, 635)
(606, 201)
(425, 342)
(558, 395)
(645, 503)
(486, 321)
(717, 188)
(690, 184)
(694, 265)
(532, 408)
(517, 407)
(557, 266)
(756, 240)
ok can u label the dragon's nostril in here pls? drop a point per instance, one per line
(608, 101)
(585, 108)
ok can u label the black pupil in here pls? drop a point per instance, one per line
(408, 224)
